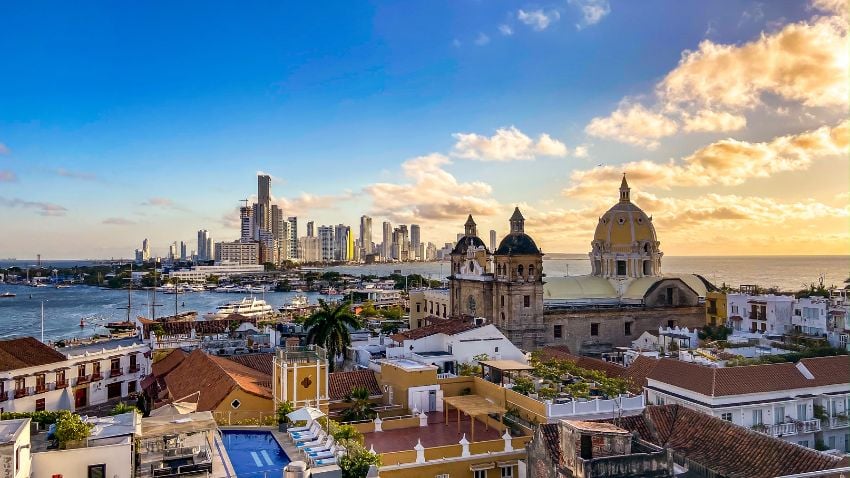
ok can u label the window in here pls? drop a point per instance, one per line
(115, 364)
(507, 472)
(594, 329)
(526, 301)
(671, 323)
(779, 415)
(802, 412)
(726, 416)
(479, 474)
(97, 471)
(20, 384)
(847, 443)
(418, 307)
(39, 405)
(502, 301)
(627, 328)
(621, 268)
(235, 403)
(519, 271)
(442, 475)
(133, 363)
(831, 442)
(496, 350)
(40, 382)
(131, 386)
(95, 368)
(559, 331)
(531, 271)
(60, 378)
(757, 417)
(81, 370)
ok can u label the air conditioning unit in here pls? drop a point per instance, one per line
(479, 321)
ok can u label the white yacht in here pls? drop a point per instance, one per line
(249, 307)
(296, 303)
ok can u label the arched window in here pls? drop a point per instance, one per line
(503, 317)
(531, 271)
(519, 270)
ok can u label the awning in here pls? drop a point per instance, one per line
(306, 414)
(153, 427)
(482, 466)
(474, 405)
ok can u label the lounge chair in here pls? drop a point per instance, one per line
(323, 454)
(311, 443)
(310, 431)
(325, 461)
(301, 429)
(323, 446)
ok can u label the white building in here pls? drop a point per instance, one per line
(767, 314)
(15, 450)
(34, 376)
(428, 303)
(200, 273)
(803, 403)
(309, 249)
(236, 252)
(810, 316)
(665, 338)
(839, 320)
(449, 343)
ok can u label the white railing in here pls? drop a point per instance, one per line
(809, 426)
(838, 422)
(781, 429)
(576, 407)
(446, 375)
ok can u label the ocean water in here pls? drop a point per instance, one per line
(65, 308)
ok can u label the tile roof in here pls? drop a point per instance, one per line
(215, 378)
(340, 384)
(748, 379)
(26, 352)
(638, 371)
(448, 327)
(185, 327)
(166, 364)
(259, 362)
(551, 434)
(724, 448)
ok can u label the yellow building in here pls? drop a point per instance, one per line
(715, 309)
(300, 376)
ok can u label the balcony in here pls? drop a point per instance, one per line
(83, 379)
(115, 372)
(4, 395)
(41, 389)
(133, 369)
(808, 426)
(96, 376)
(778, 430)
(839, 422)
(21, 392)
(60, 384)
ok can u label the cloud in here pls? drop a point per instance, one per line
(42, 208)
(506, 30)
(4, 149)
(456, 43)
(538, 20)
(482, 39)
(7, 176)
(592, 11)
(708, 120)
(306, 202)
(727, 162)
(835, 7)
(75, 174)
(803, 62)
(634, 124)
(117, 221)
(163, 203)
(507, 144)
(580, 151)
(431, 194)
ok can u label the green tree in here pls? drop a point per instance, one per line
(213, 279)
(356, 461)
(392, 313)
(523, 385)
(284, 409)
(122, 407)
(329, 327)
(359, 408)
(70, 428)
(368, 309)
(389, 327)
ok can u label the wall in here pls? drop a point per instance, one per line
(7, 455)
(74, 463)
(400, 380)
(576, 325)
(304, 383)
(251, 407)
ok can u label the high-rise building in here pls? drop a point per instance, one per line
(431, 252)
(293, 237)
(344, 243)
(310, 231)
(280, 232)
(172, 251)
(211, 249)
(400, 244)
(492, 240)
(203, 254)
(366, 234)
(309, 249)
(387, 241)
(326, 242)
(238, 252)
(183, 255)
(415, 243)
(246, 219)
(146, 250)
(264, 185)
(139, 256)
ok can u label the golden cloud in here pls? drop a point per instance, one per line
(507, 144)
(633, 124)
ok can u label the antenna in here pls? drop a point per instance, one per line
(244, 202)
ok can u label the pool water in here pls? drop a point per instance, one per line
(253, 453)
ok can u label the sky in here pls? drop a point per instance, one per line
(124, 121)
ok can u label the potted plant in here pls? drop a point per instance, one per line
(284, 409)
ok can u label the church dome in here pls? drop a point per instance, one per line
(469, 239)
(624, 224)
(517, 242)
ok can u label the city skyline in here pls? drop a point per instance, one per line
(733, 132)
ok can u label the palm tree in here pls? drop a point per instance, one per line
(360, 407)
(328, 327)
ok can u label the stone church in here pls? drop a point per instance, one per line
(625, 294)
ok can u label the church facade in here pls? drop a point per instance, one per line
(625, 294)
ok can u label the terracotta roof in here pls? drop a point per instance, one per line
(184, 327)
(166, 364)
(340, 384)
(215, 378)
(26, 352)
(725, 381)
(259, 362)
(551, 434)
(448, 327)
(727, 449)
(637, 372)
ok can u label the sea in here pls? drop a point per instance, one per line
(81, 311)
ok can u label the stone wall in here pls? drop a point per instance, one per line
(541, 464)
(576, 325)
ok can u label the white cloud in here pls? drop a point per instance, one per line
(634, 124)
(507, 144)
(580, 151)
(708, 120)
(456, 43)
(482, 39)
(43, 208)
(117, 221)
(592, 11)
(537, 19)
(506, 30)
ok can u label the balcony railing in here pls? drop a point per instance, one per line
(780, 429)
(83, 379)
(809, 426)
(41, 389)
(115, 372)
(61, 384)
(133, 369)
(21, 392)
(838, 422)
(96, 376)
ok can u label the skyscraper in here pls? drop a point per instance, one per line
(146, 250)
(326, 242)
(204, 254)
(246, 218)
(262, 209)
(293, 237)
(310, 231)
(366, 234)
(264, 184)
(182, 251)
(341, 240)
(415, 242)
(492, 240)
(387, 241)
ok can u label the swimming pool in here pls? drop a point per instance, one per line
(253, 452)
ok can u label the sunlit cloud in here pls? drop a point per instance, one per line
(4, 149)
(537, 19)
(507, 144)
(482, 39)
(708, 120)
(506, 30)
(42, 208)
(634, 124)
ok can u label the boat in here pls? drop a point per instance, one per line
(249, 307)
(329, 291)
(7, 294)
(123, 326)
(63, 286)
(296, 303)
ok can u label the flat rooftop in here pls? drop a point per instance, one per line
(407, 364)
(437, 433)
(77, 350)
(9, 429)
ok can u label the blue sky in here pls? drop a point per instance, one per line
(124, 121)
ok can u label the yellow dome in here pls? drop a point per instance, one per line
(624, 225)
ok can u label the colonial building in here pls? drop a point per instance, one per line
(625, 295)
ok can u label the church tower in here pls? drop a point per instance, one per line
(471, 279)
(518, 286)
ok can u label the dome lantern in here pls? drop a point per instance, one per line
(625, 190)
(517, 222)
(469, 228)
